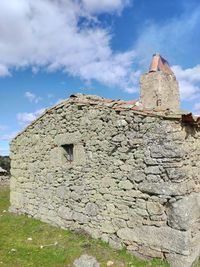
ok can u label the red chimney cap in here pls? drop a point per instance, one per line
(158, 63)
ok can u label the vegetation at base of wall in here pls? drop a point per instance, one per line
(26, 242)
(5, 163)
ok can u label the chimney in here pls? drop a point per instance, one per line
(159, 89)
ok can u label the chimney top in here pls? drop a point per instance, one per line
(159, 88)
(158, 63)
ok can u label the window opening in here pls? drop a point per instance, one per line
(158, 103)
(69, 152)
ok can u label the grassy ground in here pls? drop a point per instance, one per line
(26, 242)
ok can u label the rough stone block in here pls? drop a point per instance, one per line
(65, 213)
(91, 209)
(167, 188)
(137, 176)
(126, 185)
(163, 238)
(107, 227)
(82, 218)
(68, 138)
(155, 208)
(184, 212)
(17, 200)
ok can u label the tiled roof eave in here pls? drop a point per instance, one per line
(118, 105)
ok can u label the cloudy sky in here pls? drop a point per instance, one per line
(50, 49)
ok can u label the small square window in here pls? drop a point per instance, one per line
(69, 152)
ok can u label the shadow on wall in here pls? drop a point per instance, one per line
(189, 131)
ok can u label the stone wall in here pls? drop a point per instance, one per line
(134, 180)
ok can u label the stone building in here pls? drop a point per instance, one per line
(2, 171)
(121, 171)
(3, 175)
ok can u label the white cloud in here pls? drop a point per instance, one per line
(27, 117)
(8, 137)
(32, 97)
(188, 90)
(188, 81)
(4, 71)
(99, 6)
(47, 34)
(190, 74)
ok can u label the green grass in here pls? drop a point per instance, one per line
(59, 247)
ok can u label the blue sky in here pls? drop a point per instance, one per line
(51, 49)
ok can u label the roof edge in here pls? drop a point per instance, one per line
(95, 100)
(48, 110)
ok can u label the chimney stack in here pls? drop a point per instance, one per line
(159, 89)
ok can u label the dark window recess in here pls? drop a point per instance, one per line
(69, 152)
(158, 103)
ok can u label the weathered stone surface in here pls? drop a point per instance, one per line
(91, 209)
(137, 176)
(63, 192)
(184, 212)
(108, 182)
(155, 208)
(79, 154)
(68, 138)
(160, 90)
(115, 242)
(17, 200)
(164, 238)
(166, 151)
(82, 218)
(167, 188)
(86, 261)
(121, 123)
(176, 174)
(126, 185)
(126, 167)
(65, 213)
(57, 157)
(118, 223)
(107, 227)
(153, 170)
(145, 250)
(177, 260)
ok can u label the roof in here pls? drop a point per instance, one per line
(191, 120)
(2, 170)
(118, 105)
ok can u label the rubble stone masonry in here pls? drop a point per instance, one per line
(133, 179)
(160, 91)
